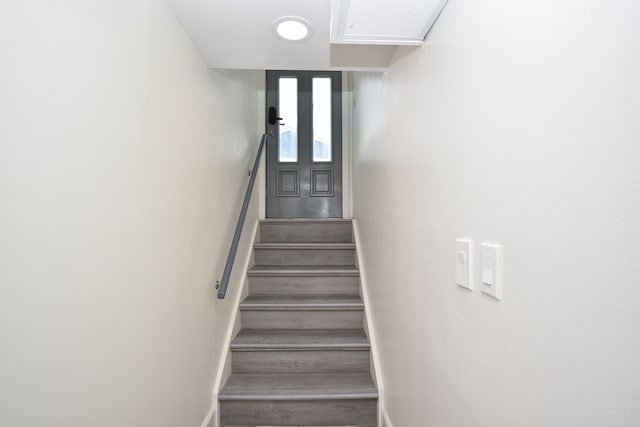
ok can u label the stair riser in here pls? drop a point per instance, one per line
(306, 257)
(356, 412)
(313, 232)
(289, 361)
(302, 319)
(288, 285)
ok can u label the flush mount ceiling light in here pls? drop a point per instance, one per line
(292, 29)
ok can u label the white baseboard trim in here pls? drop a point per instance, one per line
(377, 368)
(209, 417)
(385, 417)
(229, 334)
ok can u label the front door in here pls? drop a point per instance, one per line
(304, 144)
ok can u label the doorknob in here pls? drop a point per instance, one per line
(273, 116)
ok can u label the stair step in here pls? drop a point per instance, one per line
(302, 319)
(302, 302)
(296, 339)
(299, 399)
(337, 413)
(303, 271)
(304, 280)
(302, 312)
(294, 350)
(323, 386)
(329, 230)
(301, 361)
(305, 254)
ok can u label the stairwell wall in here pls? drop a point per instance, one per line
(516, 123)
(123, 163)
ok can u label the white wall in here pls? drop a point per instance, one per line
(123, 162)
(517, 123)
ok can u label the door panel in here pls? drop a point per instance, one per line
(304, 144)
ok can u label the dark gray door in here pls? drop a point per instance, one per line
(304, 144)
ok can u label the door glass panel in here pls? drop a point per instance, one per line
(322, 119)
(288, 102)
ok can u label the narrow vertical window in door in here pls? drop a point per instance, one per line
(321, 88)
(288, 102)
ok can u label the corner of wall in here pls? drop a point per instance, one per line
(347, 114)
(262, 179)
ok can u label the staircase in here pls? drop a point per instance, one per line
(301, 357)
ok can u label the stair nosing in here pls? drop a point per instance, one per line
(296, 340)
(299, 347)
(256, 271)
(275, 346)
(301, 307)
(227, 396)
(306, 221)
(353, 302)
(305, 245)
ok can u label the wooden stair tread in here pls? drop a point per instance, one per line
(303, 270)
(300, 339)
(302, 302)
(316, 386)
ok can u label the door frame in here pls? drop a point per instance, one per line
(347, 116)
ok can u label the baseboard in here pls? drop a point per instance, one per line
(385, 419)
(229, 333)
(377, 369)
(209, 420)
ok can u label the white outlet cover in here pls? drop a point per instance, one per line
(464, 262)
(491, 269)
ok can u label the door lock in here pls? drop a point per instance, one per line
(273, 116)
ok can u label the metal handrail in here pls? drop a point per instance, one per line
(224, 282)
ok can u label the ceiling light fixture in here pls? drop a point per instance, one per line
(292, 29)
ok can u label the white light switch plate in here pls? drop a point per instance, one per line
(464, 263)
(491, 270)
